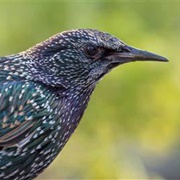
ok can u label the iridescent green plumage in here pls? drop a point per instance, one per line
(44, 92)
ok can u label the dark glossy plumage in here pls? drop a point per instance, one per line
(44, 92)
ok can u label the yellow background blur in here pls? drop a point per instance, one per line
(131, 128)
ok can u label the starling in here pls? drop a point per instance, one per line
(45, 90)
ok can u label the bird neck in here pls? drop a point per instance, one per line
(75, 103)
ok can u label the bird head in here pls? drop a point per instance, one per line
(80, 58)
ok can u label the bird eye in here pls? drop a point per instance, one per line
(91, 50)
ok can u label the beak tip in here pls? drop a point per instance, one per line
(154, 57)
(163, 59)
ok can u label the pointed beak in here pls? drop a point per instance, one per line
(129, 54)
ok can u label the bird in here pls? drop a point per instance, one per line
(45, 90)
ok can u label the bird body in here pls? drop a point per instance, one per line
(36, 124)
(33, 112)
(44, 92)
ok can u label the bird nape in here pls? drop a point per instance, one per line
(45, 90)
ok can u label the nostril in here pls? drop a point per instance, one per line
(125, 49)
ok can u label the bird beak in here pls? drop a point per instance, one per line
(129, 54)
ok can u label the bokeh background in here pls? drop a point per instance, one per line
(131, 129)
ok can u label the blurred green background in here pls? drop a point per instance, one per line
(131, 128)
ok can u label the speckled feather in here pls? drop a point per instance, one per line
(34, 128)
(43, 94)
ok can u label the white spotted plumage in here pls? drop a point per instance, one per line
(44, 92)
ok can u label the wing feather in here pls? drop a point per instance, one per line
(22, 107)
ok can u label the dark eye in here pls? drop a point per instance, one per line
(91, 50)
